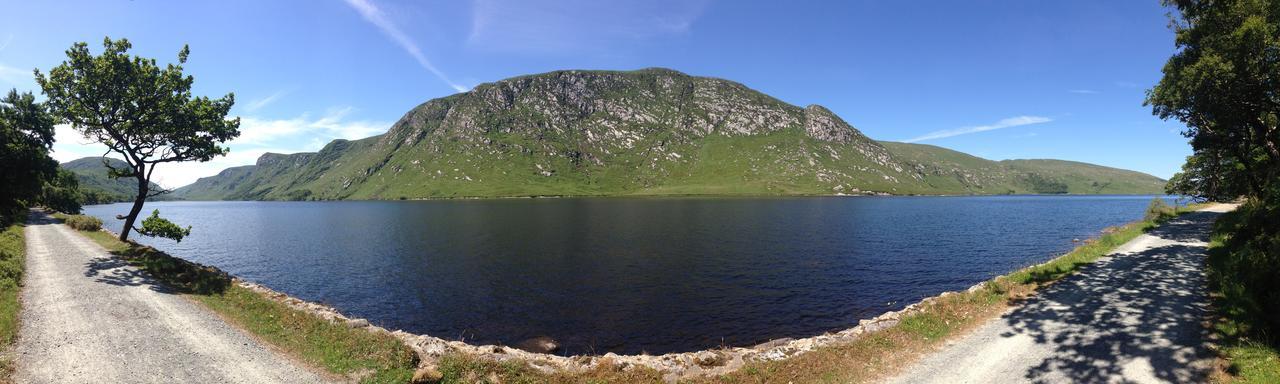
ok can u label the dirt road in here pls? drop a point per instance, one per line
(88, 318)
(1132, 317)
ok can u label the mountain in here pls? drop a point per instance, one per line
(97, 187)
(645, 132)
(948, 170)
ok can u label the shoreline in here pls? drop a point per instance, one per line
(674, 196)
(699, 364)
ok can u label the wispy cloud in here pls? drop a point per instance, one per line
(574, 26)
(15, 76)
(9, 74)
(1004, 123)
(332, 125)
(374, 15)
(255, 105)
(1083, 91)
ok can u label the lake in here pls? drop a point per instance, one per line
(630, 275)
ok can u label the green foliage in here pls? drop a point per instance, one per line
(1044, 185)
(1243, 265)
(12, 250)
(156, 226)
(62, 194)
(1222, 84)
(83, 222)
(1209, 175)
(141, 111)
(1158, 210)
(26, 135)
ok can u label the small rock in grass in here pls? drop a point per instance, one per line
(357, 323)
(540, 344)
(427, 374)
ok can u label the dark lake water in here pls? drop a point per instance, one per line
(630, 275)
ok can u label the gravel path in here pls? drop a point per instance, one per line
(88, 318)
(1133, 317)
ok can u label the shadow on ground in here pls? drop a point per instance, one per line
(1142, 311)
(138, 265)
(115, 271)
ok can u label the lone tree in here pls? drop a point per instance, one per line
(141, 111)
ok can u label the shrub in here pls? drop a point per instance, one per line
(1159, 210)
(84, 223)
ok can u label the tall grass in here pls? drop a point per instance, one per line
(1244, 274)
(83, 222)
(12, 252)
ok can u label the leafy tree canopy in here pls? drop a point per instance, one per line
(142, 111)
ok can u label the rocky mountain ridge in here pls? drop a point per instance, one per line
(645, 132)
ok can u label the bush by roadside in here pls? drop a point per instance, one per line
(1244, 275)
(83, 222)
(12, 251)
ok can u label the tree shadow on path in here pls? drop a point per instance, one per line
(1135, 317)
(118, 272)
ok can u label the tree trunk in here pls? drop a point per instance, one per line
(137, 204)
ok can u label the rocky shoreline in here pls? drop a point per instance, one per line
(673, 366)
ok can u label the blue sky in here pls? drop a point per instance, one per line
(997, 79)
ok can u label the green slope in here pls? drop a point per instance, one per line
(949, 170)
(646, 132)
(94, 182)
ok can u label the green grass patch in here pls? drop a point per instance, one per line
(12, 252)
(371, 357)
(1238, 270)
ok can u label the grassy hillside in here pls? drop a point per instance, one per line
(100, 188)
(946, 169)
(646, 132)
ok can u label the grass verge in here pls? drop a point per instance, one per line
(12, 252)
(356, 353)
(870, 357)
(1248, 345)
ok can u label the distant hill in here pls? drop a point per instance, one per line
(645, 132)
(948, 170)
(100, 188)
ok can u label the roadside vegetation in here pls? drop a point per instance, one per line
(1220, 85)
(335, 347)
(12, 250)
(874, 355)
(81, 222)
(1244, 261)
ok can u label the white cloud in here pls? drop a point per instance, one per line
(1083, 91)
(7, 40)
(255, 105)
(560, 26)
(257, 136)
(1004, 123)
(16, 76)
(373, 15)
